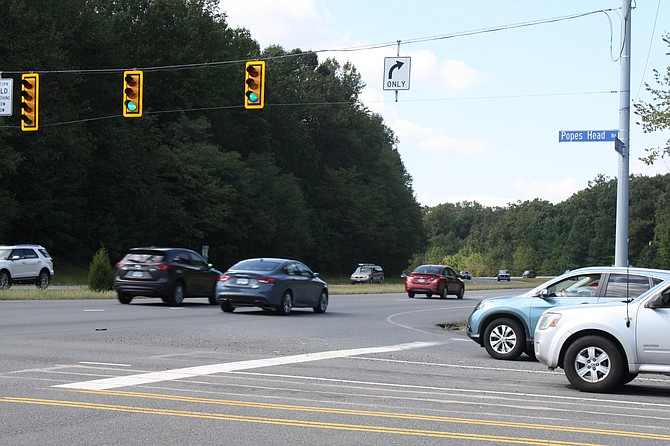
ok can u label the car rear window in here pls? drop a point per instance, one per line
(621, 285)
(428, 270)
(256, 265)
(144, 257)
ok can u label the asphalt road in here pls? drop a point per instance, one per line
(374, 370)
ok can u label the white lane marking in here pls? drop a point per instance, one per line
(393, 316)
(94, 310)
(104, 363)
(189, 372)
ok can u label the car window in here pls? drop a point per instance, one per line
(291, 269)
(4, 253)
(449, 272)
(255, 265)
(197, 260)
(583, 285)
(29, 254)
(145, 257)
(45, 253)
(622, 285)
(304, 271)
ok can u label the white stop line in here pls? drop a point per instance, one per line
(190, 372)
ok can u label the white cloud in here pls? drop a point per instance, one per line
(435, 139)
(453, 75)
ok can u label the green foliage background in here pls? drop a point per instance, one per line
(314, 175)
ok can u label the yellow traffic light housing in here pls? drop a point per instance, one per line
(132, 93)
(254, 84)
(30, 90)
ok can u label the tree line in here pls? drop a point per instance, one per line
(314, 175)
(551, 238)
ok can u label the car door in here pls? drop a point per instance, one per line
(25, 263)
(452, 280)
(572, 290)
(304, 287)
(652, 326)
(204, 280)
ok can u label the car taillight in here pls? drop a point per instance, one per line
(163, 266)
(120, 265)
(269, 280)
(223, 278)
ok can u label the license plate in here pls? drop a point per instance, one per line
(242, 281)
(422, 280)
(137, 274)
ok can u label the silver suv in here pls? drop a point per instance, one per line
(25, 264)
(603, 346)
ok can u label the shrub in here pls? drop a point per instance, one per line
(100, 272)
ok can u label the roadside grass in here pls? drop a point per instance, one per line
(71, 284)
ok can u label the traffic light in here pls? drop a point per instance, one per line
(132, 94)
(254, 84)
(30, 90)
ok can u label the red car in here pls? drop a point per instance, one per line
(434, 279)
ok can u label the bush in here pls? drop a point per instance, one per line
(101, 273)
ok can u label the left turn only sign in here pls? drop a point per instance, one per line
(396, 73)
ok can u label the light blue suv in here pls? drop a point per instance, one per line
(505, 325)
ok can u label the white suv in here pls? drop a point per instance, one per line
(25, 264)
(602, 346)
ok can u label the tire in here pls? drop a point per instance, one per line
(323, 303)
(628, 377)
(286, 304)
(410, 295)
(123, 297)
(444, 293)
(381, 281)
(429, 295)
(213, 298)
(461, 293)
(177, 297)
(504, 338)
(5, 280)
(594, 364)
(43, 279)
(226, 307)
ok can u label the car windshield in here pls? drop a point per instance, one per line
(145, 257)
(428, 270)
(256, 265)
(363, 269)
(4, 253)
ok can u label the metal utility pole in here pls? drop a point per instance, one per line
(622, 146)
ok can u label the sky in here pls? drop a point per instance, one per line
(492, 83)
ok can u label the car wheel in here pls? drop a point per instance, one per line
(504, 339)
(213, 298)
(429, 295)
(124, 298)
(42, 280)
(381, 281)
(410, 295)
(226, 307)
(5, 281)
(594, 364)
(444, 293)
(286, 304)
(461, 293)
(323, 303)
(177, 297)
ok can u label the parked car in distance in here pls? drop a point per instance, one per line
(504, 274)
(434, 279)
(529, 274)
(465, 275)
(271, 284)
(25, 263)
(604, 346)
(504, 326)
(367, 273)
(169, 273)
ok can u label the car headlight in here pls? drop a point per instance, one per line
(483, 304)
(548, 320)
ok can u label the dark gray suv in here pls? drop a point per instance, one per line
(169, 273)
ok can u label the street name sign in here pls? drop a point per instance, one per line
(587, 135)
(6, 96)
(396, 73)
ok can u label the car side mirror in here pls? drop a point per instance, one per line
(544, 294)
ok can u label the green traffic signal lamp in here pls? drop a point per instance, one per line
(132, 93)
(254, 84)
